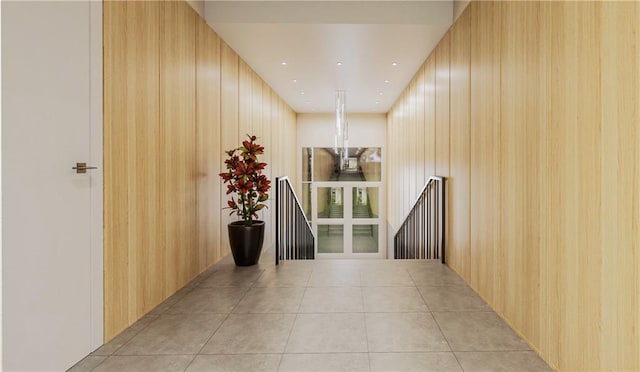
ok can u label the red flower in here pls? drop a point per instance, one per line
(245, 179)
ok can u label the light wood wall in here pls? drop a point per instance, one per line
(537, 126)
(173, 104)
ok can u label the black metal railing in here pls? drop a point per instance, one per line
(294, 237)
(422, 234)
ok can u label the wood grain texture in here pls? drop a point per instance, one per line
(116, 240)
(177, 122)
(430, 117)
(146, 261)
(419, 123)
(412, 141)
(441, 101)
(208, 149)
(522, 144)
(245, 100)
(620, 247)
(544, 106)
(442, 77)
(229, 112)
(460, 143)
(171, 107)
(485, 151)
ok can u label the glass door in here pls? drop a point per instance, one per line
(341, 196)
(346, 219)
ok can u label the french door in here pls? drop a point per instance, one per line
(346, 219)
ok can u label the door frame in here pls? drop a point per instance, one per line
(347, 202)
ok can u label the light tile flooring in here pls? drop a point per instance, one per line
(338, 315)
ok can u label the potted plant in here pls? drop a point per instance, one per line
(249, 188)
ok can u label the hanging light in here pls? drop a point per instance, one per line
(342, 128)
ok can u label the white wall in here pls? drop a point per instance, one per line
(317, 130)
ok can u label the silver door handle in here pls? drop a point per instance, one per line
(82, 168)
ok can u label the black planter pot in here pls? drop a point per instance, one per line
(246, 242)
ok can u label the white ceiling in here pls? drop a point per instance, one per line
(312, 36)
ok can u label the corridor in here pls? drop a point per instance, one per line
(322, 315)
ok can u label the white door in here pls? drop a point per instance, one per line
(51, 119)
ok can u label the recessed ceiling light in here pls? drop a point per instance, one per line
(377, 102)
(338, 63)
(302, 93)
(394, 63)
(387, 81)
(284, 63)
(295, 80)
(380, 93)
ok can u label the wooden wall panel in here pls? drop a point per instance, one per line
(460, 143)
(420, 94)
(116, 235)
(620, 273)
(441, 100)
(544, 138)
(412, 141)
(523, 162)
(245, 95)
(229, 112)
(485, 150)
(574, 122)
(208, 149)
(178, 137)
(171, 107)
(268, 158)
(146, 261)
(429, 117)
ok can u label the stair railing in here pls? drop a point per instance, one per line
(422, 234)
(294, 237)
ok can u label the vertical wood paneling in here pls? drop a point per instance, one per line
(442, 107)
(229, 124)
(544, 117)
(574, 121)
(171, 108)
(441, 101)
(460, 132)
(620, 80)
(485, 150)
(429, 117)
(245, 100)
(177, 122)
(208, 144)
(412, 141)
(116, 237)
(256, 106)
(523, 121)
(419, 123)
(146, 261)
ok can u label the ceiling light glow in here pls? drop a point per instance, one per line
(394, 63)
(284, 63)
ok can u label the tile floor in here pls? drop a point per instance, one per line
(323, 315)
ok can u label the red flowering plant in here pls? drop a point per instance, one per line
(245, 180)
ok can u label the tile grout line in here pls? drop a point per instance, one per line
(294, 321)
(218, 327)
(366, 332)
(448, 344)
